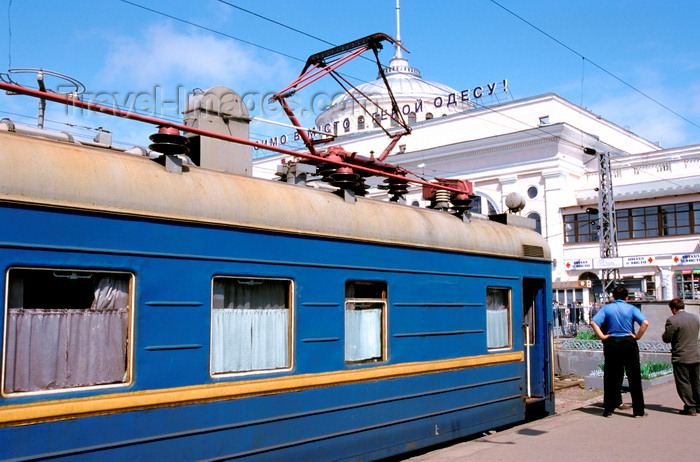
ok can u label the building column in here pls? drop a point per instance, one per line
(553, 188)
(667, 282)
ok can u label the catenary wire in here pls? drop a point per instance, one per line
(322, 40)
(596, 65)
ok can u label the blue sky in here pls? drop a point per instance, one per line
(120, 51)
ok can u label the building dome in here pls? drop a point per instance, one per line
(417, 98)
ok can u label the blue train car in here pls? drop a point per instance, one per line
(203, 315)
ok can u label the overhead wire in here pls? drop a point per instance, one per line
(619, 79)
(214, 31)
(9, 34)
(476, 103)
(209, 29)
(265, 18)
(247, 42)
(378, 86)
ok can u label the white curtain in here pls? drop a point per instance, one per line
(63, 348)
(250, 326)
(363, 334)
(497, 328)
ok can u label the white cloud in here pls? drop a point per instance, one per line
(164, 55)
(649, 119)
(642, 117)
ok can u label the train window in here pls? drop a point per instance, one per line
(365, 313)
(251, 325)
(497, 317)
(65, 329)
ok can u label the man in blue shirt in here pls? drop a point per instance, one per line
(614, 325)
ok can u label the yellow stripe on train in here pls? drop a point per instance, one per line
(26, 414)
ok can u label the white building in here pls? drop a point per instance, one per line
(534, 147)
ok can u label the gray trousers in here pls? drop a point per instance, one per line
(687, 378)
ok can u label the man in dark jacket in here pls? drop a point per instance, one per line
(681, 332)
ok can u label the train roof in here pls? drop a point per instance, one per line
(67, 175)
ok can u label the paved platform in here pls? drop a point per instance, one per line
(582, 434)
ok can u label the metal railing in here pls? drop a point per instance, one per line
(651, 346)
(569, 320)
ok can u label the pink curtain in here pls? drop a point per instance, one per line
(64, 348)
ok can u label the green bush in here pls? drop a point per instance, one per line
(654, 369)
(650, 369)
(586, 335)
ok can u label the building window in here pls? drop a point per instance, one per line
(656, 221)
(642, 222)
(365, 320)
(361, 123)
(688, 284)
(664, 220)
(412, 118)
(538, 221)
(65, 329)
(478, 203)
(250, 324)
(675, 219)
(581, 227)
(497, 317)
(376, 121)
(532, 192)
(638, 222)
(428, 115)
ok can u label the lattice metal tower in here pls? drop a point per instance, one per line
(606, 210)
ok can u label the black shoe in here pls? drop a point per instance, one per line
(607, 414)
(640, 416)
(688, 412)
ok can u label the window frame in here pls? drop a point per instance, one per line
(290, 327)
(478, 201)
(582, 230)
(383, 329)
(538, 221)
(652, 221)
(509, 309)
(128, 378)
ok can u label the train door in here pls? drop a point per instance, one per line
(536, 340)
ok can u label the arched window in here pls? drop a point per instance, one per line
(476, 204)
(361, 123)
(491, 207)
(412, 118)
(428, 116)
(483, 204)
(538, 221)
